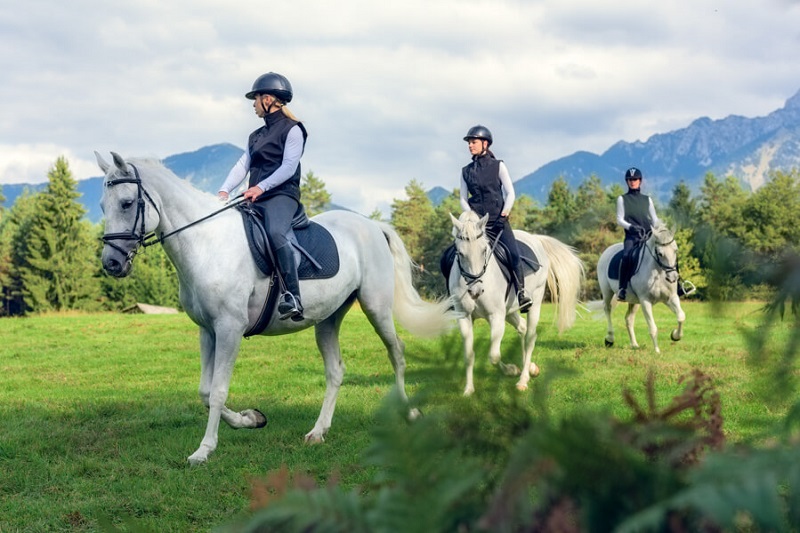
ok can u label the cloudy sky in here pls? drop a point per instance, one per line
(387, 89)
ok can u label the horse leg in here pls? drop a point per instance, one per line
(327, 336)
(630, 316)
(674, 303)
(526, 329)
(608, 298)
(497, 327)
(249, 418)
(217, 357)
(647, 310)
(467, 336)
(380, 316)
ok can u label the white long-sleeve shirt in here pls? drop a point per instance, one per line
(506, 186)
(621, 213)
(292, 152)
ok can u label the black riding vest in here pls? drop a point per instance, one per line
(482, 177)
(637, 210)
(266, 147)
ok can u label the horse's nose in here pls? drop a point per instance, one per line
(476, 290)
(113, 267)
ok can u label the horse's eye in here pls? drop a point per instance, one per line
(126, 204)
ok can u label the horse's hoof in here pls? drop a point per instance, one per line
(257, 418)
(510, 370)
(534, 370)
(609, 343)
(413, 414)
(674, 335)
(469, 391)
(313, 438)
(522, 387)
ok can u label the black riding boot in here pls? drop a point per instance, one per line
(289, 305)
(524, 300)
(624, 276)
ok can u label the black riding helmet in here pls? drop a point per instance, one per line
(274, 84)
(633, 173)
(479, 132)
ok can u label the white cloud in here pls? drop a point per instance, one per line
(386, 89)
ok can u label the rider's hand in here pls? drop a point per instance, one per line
(222, 196)
(253, 193)
(500, 223)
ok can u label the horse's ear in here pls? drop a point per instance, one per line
(484, 219)
(120, 163)
(101, 162)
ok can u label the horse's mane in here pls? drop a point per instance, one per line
(152, 166)
(662, 233)
(469, 220)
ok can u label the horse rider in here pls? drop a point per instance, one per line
(486, 188)
(637, 216)
(272, 159)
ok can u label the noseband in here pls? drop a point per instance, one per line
(137, 232)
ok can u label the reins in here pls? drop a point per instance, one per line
(142, 238)
(665, 268)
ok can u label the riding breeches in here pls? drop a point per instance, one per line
(277, 212)
(510, 242)
(627, 263)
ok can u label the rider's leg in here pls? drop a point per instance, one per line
(625, 269)
(278, 212)
(507, 238)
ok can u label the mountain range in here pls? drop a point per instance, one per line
(749, 148)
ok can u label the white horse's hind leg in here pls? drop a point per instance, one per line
(467, 336)
(380, 316)
(497, 327)
(647, 310)
(608, 298)
(674, 303)
(327, 336)
(630, 317)
(218, 355)
(527, 332)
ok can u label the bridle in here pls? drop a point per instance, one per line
(138, 233)
(470, 278)
(666, 268)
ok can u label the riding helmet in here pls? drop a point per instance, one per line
(479, 132)
(633, 173)
(274, 84)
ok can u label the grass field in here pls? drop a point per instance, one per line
(98, 413)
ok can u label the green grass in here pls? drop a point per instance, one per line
(98, 413)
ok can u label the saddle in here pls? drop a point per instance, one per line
(527, 258)
(615, 264)
(316, 254)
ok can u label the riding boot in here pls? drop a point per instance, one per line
(524, 300)
(289, 305)
(624, 277)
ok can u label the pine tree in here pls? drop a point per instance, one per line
(411, 218)
(57, 270)
(314, 196)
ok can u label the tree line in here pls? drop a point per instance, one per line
(728, 239)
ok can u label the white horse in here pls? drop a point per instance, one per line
(479, 290)
(655, 280)
(223, 291)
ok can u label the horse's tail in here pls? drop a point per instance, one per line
(425, 319)
(564, 279)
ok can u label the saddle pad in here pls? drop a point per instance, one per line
(613, 266)
(319, 243)
(319, 255)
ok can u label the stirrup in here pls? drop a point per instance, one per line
(289, 307)
(525, 302)
(686, 288)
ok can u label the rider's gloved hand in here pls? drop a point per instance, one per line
(499, 224)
